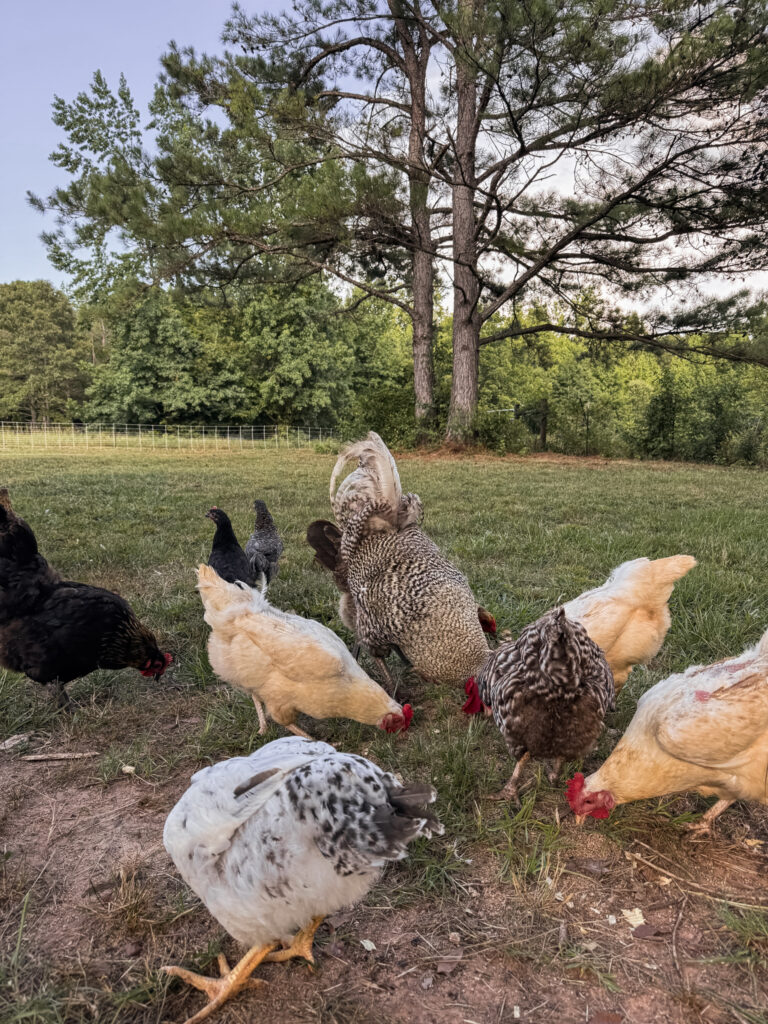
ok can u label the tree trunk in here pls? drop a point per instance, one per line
(543, 424)
(416, 59)
(466, 290)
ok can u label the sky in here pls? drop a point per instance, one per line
(52, 48)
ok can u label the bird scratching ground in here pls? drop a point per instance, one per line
(512, 914)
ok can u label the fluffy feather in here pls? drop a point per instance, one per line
(628, 616)
(403, 593)
(705, 729)
(290, 663)
(549, 690)
(295, 831)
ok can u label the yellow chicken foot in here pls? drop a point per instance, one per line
(703, 827)
(232, 980)
(509, 792)
(260, 713)
(301, 944)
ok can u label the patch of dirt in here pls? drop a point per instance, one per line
(106, 910)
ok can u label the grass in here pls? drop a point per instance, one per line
(527, 533)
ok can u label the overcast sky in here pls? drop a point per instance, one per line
(51, 47)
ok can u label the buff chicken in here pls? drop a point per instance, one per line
(628, 616)
(289, 663)
(705, 729)
(274, 842)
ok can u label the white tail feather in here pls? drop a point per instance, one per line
(374, 481)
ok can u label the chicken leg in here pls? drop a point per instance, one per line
(301, 944)
(703, 827)
(509, 792)
(232, 980)
(260, 713)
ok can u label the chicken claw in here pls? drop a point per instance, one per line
(260, 713)
(300, 946)
(509, 792)
(703, 827)
(232, 980)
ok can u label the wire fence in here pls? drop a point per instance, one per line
(158, 437)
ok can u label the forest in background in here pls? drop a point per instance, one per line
(306, 356)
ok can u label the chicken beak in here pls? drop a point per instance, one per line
(580, 818)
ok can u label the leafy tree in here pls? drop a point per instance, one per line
(43, 369)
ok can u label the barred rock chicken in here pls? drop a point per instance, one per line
(264, 547)
(325, 539)
(274, 842)
(290, 663)
(705, 729)
(227, 557)
(549, 691)
(54, 630)
(628, 616)
(402, 592)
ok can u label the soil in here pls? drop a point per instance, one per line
(106, 910)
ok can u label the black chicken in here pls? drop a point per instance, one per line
(54, 630)
(227, 557)
(549, 691)
(264, 547)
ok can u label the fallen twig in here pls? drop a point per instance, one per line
(59, 757)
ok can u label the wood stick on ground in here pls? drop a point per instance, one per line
(59, 757)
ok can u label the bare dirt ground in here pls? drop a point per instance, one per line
(105, 909)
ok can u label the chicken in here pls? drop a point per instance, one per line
(325, 539)
(402, 593)
(227, 557)
(628, 616)
(55, 630)
(549, 691)
(705, 729)
(290, 663)
(274, 842)
(264, 547)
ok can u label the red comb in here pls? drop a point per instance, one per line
(407, 715)
(472, 705)
(574, 788)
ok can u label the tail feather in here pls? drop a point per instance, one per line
(375, 481)
(325, 539)
(218, 595)
(648, 580)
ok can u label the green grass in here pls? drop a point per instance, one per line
(526, 532)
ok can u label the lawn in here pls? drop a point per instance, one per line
(512, 915)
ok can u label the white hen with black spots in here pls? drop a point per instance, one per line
(274, 842)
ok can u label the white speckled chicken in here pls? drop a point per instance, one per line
(274, 842)
(402, 592)
(628, 616)
(290, 663)
(549, 691)
(705, 729)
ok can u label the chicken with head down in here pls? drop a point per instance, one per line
(705, 729)
(289, 663)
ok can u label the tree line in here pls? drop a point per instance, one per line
(582, 157)
(306, 356)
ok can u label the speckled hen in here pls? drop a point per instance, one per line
(404, 593)
(549, 691)
(274, 842)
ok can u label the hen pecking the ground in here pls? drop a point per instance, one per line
(274, 842)
(705, 729)
(55, 630)
(549, 691)
(290, 663)
(402, 593)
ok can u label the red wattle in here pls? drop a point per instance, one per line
(472, 705)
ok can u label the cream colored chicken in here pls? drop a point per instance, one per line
(705, 729)
(290, 663)
(628, 615)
